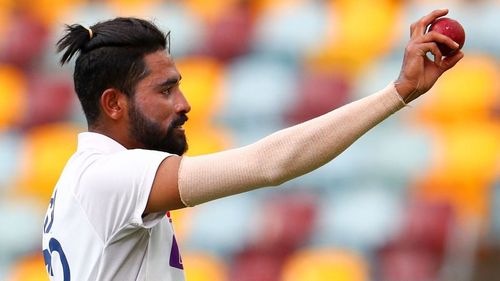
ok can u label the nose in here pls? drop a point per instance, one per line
(182, 105)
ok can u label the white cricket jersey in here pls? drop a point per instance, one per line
(94, 229)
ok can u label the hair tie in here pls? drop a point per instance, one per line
(91, 34)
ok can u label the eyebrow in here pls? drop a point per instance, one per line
(170, 82)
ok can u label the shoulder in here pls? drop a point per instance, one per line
(121, 169)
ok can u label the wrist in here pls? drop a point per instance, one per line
(398, 96)
(406, 92)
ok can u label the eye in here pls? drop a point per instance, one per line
(166, 92)
(168, 88)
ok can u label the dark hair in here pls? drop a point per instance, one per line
(111, 55)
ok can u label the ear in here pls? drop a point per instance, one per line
(114, 104)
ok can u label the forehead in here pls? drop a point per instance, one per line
(160, 66)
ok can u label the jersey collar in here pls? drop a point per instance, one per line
(100, 142)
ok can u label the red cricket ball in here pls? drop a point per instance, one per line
(452, 29)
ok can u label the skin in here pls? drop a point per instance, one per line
(162, 105)
(159, 98)
(419, 73)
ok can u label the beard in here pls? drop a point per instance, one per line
(153, 136)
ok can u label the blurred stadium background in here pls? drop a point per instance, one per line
(417, 198)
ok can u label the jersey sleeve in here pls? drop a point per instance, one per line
(114, 190)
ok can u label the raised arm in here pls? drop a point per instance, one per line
(297, 150)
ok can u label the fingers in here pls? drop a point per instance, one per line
(419, 72)
(450, 61)
(429, 43)
(424, 48)
(440, 38)
(435, 38)
(419, 27)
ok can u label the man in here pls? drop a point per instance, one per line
(106, 219)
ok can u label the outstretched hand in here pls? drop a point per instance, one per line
(418, 72)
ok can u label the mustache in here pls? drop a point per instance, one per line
(179, 121)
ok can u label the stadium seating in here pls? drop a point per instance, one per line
(382, 210)
(13, 90)
(325, 264)
(201, 266)
(44, 153)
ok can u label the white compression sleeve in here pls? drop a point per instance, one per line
(286, 154)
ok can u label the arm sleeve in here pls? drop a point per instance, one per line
(117, 188)
(286, 154)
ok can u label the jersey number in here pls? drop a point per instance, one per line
(54, 245)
